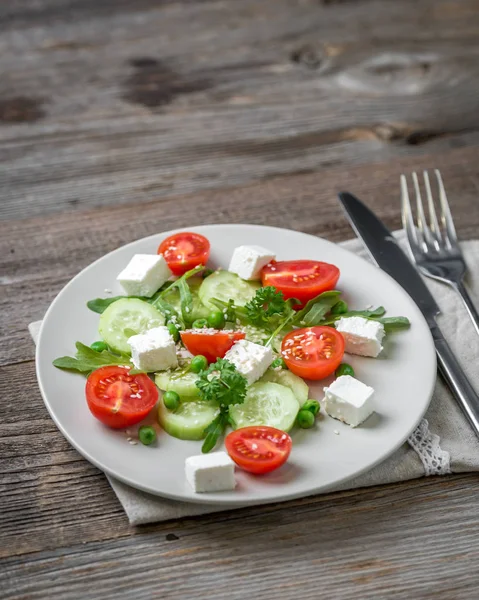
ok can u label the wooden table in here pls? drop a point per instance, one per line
(119, 119)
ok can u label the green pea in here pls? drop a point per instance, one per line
(305, 419)
(173, 329)
(312, 406)
(200, 324)
(99, 346)
(171, 400)
(278, 363)
(344, 369)
(216, 320)
(339, 308)
(198, 363)
(146, 435)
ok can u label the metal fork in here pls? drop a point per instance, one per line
(435, 248)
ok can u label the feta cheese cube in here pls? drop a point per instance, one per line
(250, 359)
(362, 336)
(247, 261)
(348, 400)
(210, 472)
(154, 350)
(144, 275)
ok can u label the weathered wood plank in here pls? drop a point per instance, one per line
(183, 96)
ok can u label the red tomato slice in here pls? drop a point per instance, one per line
(301, 279)
(258, 449)
(313, 352)
(184, 251)
(119, 399)
(211, 345)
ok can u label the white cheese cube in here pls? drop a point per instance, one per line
(154, 350)
(144, 275)
(348, 400)
(213, 472)
(250, 359)
(247, 261)
(362, 336)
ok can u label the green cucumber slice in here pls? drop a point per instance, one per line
(199, 310)
(189, 421)
(127, 317)
(290, 380)
(224, 286)
(266, 403)
(183, 384)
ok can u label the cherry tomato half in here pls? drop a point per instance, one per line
(301, 279)
(210, 345)
(119, 399)
(258, 449)
(313, 352)
(184, 251)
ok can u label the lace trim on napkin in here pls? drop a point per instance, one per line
(435, 460)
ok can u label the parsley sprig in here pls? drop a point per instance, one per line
(220, 383)
(267, 303)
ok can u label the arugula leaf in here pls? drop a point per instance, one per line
(168, 311)
(230, 310)
(178, 282)
(186, 302)
(215, 430)
(99, 305)
(367, 314)
(394, 323)
(316, 309)
(88, 360)
(267, 303)
(220, 383)
(289, 315)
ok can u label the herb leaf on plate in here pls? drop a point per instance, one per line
(316, 309)
(215, 430)
(267, 303)
(87, 360)
(220, 383)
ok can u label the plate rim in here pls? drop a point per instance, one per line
(203, 498)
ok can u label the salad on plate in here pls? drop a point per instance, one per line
(227, 352)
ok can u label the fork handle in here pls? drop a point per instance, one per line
(455, 377)
(468, 303)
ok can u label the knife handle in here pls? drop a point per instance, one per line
(455, 377)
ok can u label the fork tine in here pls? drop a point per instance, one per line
(424, 231)
(407, 218)
(435, 230)
(446, 216)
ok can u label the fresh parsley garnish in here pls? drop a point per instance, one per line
(220, 383)
(267, 303)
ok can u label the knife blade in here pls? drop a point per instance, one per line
(386, 253)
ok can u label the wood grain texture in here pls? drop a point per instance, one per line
(117, 102)
(201, 112)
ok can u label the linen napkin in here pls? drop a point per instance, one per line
(443, 442)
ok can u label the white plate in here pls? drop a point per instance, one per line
(403, 379)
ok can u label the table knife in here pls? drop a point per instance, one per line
(386, 253)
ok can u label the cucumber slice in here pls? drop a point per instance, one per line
(225, 285)
(183, 384)
(189, 420)
(290, 380)
(266, 403)
(199, 310)
(127, 317)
